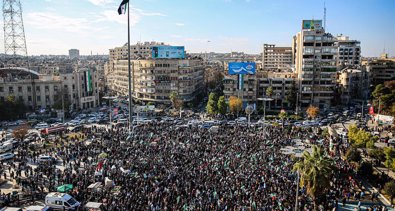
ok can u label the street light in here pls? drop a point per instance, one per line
(249, 109)
(265, 99)
(110, 99)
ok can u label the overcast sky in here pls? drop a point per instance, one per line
(54, 26)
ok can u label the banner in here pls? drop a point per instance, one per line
(88, 81)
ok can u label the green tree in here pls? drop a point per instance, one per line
(365, 169)
(269, 91)
(291, 95)
(353, 155)
(211, 107)
(315, 171)
(389, 188)
(389, 153)
(360, 138)
(222, 106)
(377, 154)
(282, 115)
(173, 98)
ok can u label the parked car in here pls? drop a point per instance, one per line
(6, 156)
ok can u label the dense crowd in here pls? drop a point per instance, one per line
(165, 167)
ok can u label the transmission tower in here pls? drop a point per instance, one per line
(14, 32)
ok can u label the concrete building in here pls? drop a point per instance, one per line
(74, 53)
(314, 57)
(381, 70)
(276, 58)
(349, 52)
(154, 79)
(255, 86)
(81, 88)
(36, 91)
(139, 50)
(354, 85)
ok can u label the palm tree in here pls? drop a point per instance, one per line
(315, 171)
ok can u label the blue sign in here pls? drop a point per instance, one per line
(241, 68)
(168, 52)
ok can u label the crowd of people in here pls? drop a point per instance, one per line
(167, 167)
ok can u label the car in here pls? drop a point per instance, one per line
(6, 156)
(41, 125)
(241, 119)
(44, 159)
(391, 142)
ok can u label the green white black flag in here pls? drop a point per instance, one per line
(122, 7)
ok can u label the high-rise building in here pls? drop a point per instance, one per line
(381, 70)
(74, 53)
(154, 79)
(349, 52)
(276, 58)
(314, 57)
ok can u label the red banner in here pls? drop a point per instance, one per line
(371, 110)
(115, 111)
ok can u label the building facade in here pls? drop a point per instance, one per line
(74, 53)
(354, 85)
(276, 58)
(314, 57)
(381, 70)
(154, 79)
(36, 91)
(349, 52)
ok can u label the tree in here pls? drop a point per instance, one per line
(312, 111)
(173, 98)
(291, 96)
(269, 91)
(221, 105)
(20, 132)
(365, 169)
(389, 188)
(353, 155)
(360, 138)
(282, 115)
(377, 154)
(235, 104)
(389, 153)
(315, 171)
(211, 107)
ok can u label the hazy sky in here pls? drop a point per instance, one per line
(54, 26)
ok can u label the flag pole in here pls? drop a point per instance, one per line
(130, 77)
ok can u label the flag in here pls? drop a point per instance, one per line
(122, 7)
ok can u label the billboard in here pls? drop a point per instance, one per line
(312, 24)
(384, 119)
(241, 68)
(168, 52)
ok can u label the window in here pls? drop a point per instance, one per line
(47, 98)
(1, 99)
(1, 89)
(29, 89)
(37, 88)
(19, 89)
(11, 89)
(55, 88)
(29, 98)
(39, 98)
(47, 88)
(20, 98)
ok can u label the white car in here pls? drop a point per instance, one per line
(45, 159)
(41, 125)
(6, 156)
(241, 119)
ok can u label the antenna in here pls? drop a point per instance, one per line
(324, 16)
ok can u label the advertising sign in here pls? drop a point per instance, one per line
(384, 119)
(312, 24)
(241, 68)
(168, 52)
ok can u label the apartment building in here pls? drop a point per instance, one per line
(36, 91)
(354, 85)
(381, 69)
(255, 86)
(315, 61)
(349, 52)
(154, 79)
(74, 53)
(276, 58)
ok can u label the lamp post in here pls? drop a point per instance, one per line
(110, 100)
(265, 99)
(249, 109)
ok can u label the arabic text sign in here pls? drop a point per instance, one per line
(241, 68)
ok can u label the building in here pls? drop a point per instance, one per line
(81, 89)
(276, 58)
(381, 70)
(349, 52)
(354, 85)
(74, 53)
(139, 50)
(36, 91)
(154, 79)
(314, 54)
(255, 86)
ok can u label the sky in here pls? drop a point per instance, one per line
(54, 26)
